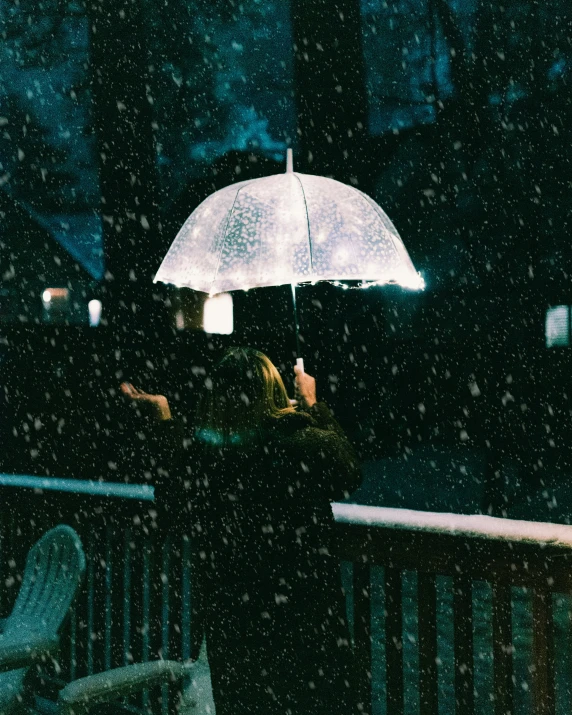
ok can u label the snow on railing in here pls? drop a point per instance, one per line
(140, 492)
(468, 526)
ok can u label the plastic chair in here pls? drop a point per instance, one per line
(88, 695)
(30, 635)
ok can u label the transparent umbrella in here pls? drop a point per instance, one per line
(287, 228)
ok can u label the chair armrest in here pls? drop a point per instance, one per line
(79, 696)
(19, 651)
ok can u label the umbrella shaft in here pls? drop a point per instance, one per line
(296, 322)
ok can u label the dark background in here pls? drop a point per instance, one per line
(117, 119)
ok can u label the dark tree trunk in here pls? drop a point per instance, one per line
(330, 86)
(123, 120)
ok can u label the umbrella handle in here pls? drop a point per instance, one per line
(300, 363)
(296, 326)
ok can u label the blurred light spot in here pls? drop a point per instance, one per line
(557, 328)
(53, 295)
(218, 314)
(180, 320)
(94, 307)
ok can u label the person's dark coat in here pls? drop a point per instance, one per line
(271, 604)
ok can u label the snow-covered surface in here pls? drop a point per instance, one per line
(286, 228)
(477, 526)
(142, 492)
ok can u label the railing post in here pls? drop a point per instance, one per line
(118, 561)
(394, 640)
(157, 578)
(175, 623)
(186, 604)
(14, 561)
(127, 577)
(90, 582)
(100, 601)
(145, 614)
(543, 652)
(427, 618)
(362, 631)
(502, 649)
(463, 635)
(110, 613)
(133, 575)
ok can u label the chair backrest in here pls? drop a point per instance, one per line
(54, 571)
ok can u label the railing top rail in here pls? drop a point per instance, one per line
(138, 492)
(468, 526)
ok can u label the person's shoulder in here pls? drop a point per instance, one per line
(291, 423)
(303, 431)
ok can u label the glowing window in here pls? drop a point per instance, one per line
(558, 326)
(218, 314)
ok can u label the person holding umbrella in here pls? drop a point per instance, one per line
(254, 489)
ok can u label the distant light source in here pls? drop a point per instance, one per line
(218, 314)
(55, 295)
(557, 328)
(94, 307)
(179, 320)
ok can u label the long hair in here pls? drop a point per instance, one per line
(243, 393)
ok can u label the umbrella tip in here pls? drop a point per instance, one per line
(289, 161)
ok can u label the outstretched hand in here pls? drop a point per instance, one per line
(156, 406)
(305, 386)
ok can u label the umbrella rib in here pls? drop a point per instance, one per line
(224, 235)
(308, 224)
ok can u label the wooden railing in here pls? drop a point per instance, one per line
(401, 568)
(470, 550)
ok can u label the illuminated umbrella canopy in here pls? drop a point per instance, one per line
(287, 228)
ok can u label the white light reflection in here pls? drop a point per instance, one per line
(218, 314)
(94, 307)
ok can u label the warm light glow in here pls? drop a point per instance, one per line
(179, 320)
(218, 314)
(416, 283)
(94, 307)
(51, 295)
(403, 280)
